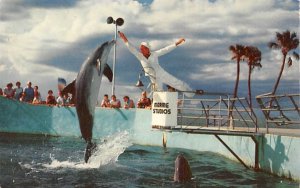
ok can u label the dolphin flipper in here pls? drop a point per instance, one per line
(89, 150)
(70, 88)
(108, 72)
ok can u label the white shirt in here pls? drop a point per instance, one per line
(157, 74)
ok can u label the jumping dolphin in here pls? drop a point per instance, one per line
(87, 87)
(182, 170)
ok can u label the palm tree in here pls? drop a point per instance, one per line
(252, 57)
(285, 41)
(238, 51)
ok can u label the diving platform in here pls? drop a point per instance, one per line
(220, 115)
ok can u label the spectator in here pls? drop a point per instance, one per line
(29, 93)
(18, 90)
(60, 99)
(144, 101)
(8, 91)
(71, 100)
(115, 103)
(105, 102)
(128, 103)
(22, 98)
(67, 99)
(1, 92)
(36, 95)
(50, 98)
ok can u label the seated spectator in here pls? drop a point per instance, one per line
(8, 91)
(36, 95)
(29, 93)
(67, 99)
(18, 91)
(22, 98)
(60, 99)
(50, 98)
(128, 103)
(144, 101)
(71, 100)
(105, 103)
(115, 103)
(1, 92)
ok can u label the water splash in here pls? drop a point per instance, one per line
(107, 152)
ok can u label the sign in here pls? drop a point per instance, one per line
(164, 109)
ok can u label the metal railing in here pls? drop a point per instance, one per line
(216, 111)
(280, 110)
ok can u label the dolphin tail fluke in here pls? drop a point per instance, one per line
(89, 150)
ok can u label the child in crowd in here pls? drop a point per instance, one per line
(115, 103)
(50, 98)
(60, 99)
(67, 99)
(128, 103)
(36, 95)
(105, 102)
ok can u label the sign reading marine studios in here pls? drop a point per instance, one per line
(164, 109)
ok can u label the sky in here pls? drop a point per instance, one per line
(41, 40)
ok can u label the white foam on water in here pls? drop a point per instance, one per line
(107, 152)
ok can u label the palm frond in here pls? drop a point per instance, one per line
(232, 48)
(290, 62)
(296, 55)
(293, 35)
(273, 45)
(295, 43)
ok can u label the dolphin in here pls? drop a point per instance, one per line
(87, 87)
(182, 170)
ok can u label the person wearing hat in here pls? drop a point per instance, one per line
(29, 92)
(149, 60)
(8, 91)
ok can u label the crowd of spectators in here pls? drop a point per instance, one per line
(32, 95)
(143, 102)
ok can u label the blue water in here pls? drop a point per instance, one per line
(39, 161)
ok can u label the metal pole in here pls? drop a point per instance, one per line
(114, 62)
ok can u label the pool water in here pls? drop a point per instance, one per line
(41, 161)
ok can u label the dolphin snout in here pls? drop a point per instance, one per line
(112, 42)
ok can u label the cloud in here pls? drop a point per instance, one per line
(41, 40)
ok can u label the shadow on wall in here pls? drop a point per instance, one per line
(273, 155)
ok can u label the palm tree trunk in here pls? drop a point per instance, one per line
(234, 94)
(249, 87)
(279, 76)
(237, 78)
(277, 83)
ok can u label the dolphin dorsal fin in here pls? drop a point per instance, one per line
(70, 88)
